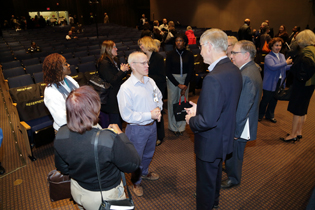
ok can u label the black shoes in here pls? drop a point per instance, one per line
(227, 184)
(259, 119)
(289, 140)
(2, 170)
(273, 120)
(177, 133)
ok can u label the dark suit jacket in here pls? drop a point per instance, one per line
(108, 72)
(248, 104)
(214, 123)
(244, 33)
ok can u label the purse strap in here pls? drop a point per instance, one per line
(180, 99)
(98, 172)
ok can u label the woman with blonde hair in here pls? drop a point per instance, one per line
(302, 89)
(157, 73)
(109, 71)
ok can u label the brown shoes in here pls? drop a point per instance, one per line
(151, 176)
(137, 189)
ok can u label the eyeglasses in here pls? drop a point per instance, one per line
(143, 63)
(234, 52)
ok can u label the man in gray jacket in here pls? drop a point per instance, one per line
(243, 55)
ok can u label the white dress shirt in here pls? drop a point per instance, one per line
(136, 100)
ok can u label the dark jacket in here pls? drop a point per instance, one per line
(109, 73)
(74, 155)
(157, 71)
(214, 123)
(173, 65)
(244, 33)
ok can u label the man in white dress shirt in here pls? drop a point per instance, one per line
(140, 104)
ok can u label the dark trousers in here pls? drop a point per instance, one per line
(233, 165)
(160, 129)
(115, 119)
(209, 176)
(269, 100)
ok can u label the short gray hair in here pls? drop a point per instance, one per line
(217, 38)
(248, 46)
(305, 38)
(133, 57)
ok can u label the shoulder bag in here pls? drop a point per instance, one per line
(111, 204)
(100, 86)
(283, 94)
(179, 109)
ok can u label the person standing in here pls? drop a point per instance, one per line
(179, 70)
(140, 104)
(112, 72)
(275, 68)
(212, 119)
(157, 73)
(245, 33)
(106, 18)
(243, 55)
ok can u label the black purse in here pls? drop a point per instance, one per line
(179, 109)
(111, 204)
(100, 86)
(283, 94)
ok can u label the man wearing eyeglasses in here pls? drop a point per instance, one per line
(140, 105)
(243, 55)
(212, 119)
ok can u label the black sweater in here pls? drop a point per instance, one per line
(74, 155)
(173, 65)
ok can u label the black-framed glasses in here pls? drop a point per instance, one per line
(234, 52)
(143, 63)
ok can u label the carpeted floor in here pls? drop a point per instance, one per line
(276, 175)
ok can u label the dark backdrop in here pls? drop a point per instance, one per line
(123, 12)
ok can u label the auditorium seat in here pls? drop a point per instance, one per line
(13, 72)
(29, 62)
(34, 68)
(38, 77)
(86, 59)
(10, 65)
(90, 66)
(20, 81)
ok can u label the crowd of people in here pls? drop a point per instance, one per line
(233, 100)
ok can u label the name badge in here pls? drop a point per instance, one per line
(155, 96)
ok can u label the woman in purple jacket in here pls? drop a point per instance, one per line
(274, 74)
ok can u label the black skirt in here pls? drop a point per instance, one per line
(300, 98)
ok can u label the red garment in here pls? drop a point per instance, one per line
(191, 37)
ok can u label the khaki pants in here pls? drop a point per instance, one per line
(91, 200)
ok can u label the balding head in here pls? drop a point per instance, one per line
(247, 21)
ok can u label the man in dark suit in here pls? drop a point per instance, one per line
(212, 119)
(243, 55)
(245, 33)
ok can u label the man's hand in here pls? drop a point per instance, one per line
(156, 114)
(192, 110)
(115, 127)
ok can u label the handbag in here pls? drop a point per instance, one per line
(111, 204)
(283, 94)
(179, 109)
(100, 86)
(265, 48)
(59, 186)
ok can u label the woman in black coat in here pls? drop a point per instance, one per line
(157, 73)
(109, 71)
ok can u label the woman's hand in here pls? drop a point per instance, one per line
(182, 86)
(289, 60)
(115, 127)
(124, 67)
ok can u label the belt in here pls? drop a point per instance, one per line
(151, 123)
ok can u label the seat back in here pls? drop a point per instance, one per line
(38, 77)
(13, 72)
(34, 68)
(90, 66)
(10, 65)
(20, 81)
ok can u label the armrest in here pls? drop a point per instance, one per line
(25, 125)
